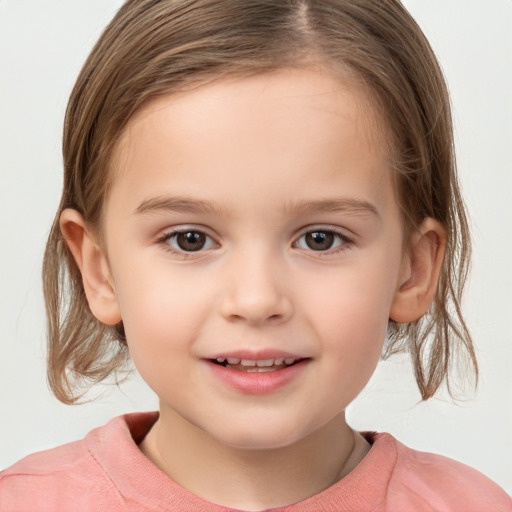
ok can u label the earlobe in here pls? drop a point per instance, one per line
(93, 265)
(420, 271)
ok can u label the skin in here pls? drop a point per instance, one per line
(254, 146)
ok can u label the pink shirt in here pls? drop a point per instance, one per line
(106, 471)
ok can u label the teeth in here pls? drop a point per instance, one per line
(259, 363)
(266, 362)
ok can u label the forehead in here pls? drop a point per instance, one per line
(291, 124)
(224, 101)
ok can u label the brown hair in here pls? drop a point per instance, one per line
(156, 47)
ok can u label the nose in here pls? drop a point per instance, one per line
(256, 290)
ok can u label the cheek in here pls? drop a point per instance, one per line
(160, 313)
(351, 314)
(353, 297)
(160, 328)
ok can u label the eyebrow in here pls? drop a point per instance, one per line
(338, 204)
(183, 204)
(180, 204)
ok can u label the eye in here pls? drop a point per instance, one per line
(188, 240)
(322, 240)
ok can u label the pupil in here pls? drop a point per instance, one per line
(191, 241)
(320, 240)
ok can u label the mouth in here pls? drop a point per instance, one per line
(256, 365)
(260, 373)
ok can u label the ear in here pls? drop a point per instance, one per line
(92, 262)
(419, 274)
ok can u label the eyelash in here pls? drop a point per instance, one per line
(345, 242)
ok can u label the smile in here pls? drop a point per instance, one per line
(255, 365)
(259, 374)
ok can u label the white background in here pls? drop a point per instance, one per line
(42, 47)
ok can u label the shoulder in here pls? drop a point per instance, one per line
(64, 476)
(42, 478)
(425, 481)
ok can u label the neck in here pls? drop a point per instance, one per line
(252, 480)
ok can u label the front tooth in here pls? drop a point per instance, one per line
(247, 362)
(278, 362)
(289, 360)
(233, 360)
(265, 362)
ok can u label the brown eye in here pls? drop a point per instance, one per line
(188, 241)
(321, 240)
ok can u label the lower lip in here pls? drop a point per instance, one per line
(257, 383)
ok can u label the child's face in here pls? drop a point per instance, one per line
(260, 172)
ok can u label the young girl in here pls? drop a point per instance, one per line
(259, 200)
